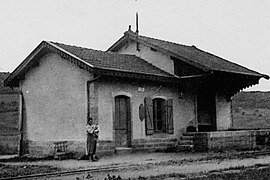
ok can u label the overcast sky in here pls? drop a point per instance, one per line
(237, 30)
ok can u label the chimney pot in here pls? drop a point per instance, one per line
(129, 27)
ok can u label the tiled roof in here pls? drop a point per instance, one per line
(113, 61)
(195, 56)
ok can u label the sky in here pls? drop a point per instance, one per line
(237, 30)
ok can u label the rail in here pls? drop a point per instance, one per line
(97, 169)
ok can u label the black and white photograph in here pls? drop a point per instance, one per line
(134, 89)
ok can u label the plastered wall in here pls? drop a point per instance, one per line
(154, 57)
(55, 99)
(183, 107)
(223, 108)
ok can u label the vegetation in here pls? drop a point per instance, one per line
(22, 170)
(251, 110)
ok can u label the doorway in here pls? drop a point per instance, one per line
(122, 121)
(206, 111)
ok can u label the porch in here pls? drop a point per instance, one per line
(225, 140)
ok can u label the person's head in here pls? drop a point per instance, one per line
(90, 121)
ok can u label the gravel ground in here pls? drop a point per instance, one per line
(155, 164)
(114, 160)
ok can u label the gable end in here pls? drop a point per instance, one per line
(32, 60)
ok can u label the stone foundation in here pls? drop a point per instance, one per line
(152, 144)
(46, 148)
(105, 147)
(231, 140)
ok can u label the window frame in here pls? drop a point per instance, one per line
(168, 118)
(159, 115)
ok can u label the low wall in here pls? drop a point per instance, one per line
(232, 140)
(151, 145)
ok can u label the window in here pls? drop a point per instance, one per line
(158, 116)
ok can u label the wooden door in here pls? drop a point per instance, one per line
(122, 124)
(206, 113)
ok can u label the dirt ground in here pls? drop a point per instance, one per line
(154, 164)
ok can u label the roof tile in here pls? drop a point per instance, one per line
(197, 56)
(113, 61)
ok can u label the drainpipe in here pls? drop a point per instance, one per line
(20, 123)
(88, 94)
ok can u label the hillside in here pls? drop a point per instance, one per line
(251, 110)
(9, 117)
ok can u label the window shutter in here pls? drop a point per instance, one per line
(169, 108)
(164, 116)
(149, 126)
(117, 114)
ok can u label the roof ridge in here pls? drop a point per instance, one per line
(106, 53)
(75, 46)
(191, 46)
(88, 58)
(86, 48)
(101, 51)
(194, 49)
(169, 42)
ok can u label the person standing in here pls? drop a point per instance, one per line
(92, 136)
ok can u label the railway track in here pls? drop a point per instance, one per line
(71, 172)
(62, 174)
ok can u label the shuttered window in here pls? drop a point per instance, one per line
(149, 126)
(169, 114)
(158, 116)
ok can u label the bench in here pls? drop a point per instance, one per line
(60, 149)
